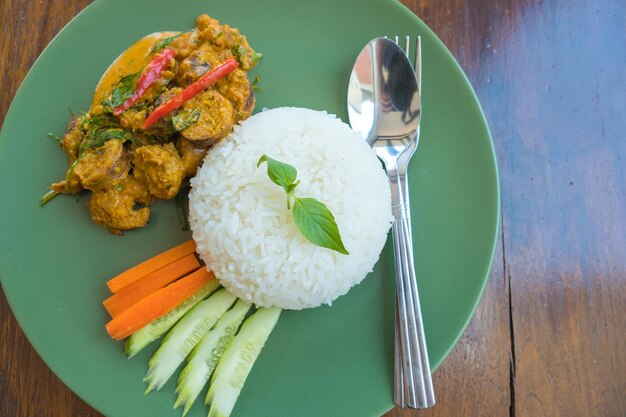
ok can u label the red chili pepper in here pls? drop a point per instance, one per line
(194, 89)
(149, 76)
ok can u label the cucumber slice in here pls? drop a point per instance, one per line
(205, 356)
(237, 360)
(184, 336)
(143, 337)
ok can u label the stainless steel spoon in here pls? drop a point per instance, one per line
(384, 107)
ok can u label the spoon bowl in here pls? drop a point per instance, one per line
(383, 96)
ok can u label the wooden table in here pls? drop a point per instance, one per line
(549, 336)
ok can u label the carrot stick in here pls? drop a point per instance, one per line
(157, 304)
(145, 286)
(156, 262)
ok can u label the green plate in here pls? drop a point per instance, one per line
(329, 361)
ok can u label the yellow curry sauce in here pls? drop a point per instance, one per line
(128, 161)
(130, 61)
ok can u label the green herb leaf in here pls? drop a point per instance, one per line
(163, 43)
(314, 220)
(280, 173)
(122, 91)
(99, 136)
(291, 187)
(186, 118)
(317, 224)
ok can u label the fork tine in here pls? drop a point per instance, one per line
(407, 44)
(417, 59)
(417, 66)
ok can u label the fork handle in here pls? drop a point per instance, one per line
(428, 382)
(413, 365)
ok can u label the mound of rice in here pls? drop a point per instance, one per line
(244, 231)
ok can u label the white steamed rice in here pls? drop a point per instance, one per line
(244, 231)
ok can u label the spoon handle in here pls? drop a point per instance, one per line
(413, 365)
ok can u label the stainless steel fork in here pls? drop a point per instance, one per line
(425, 396)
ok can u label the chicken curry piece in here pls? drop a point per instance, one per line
(155, 114)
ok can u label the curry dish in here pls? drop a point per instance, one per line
(155, 114)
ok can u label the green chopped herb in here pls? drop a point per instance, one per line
(122, 91)
(312, 217)
(45, 199)
(90, 122)
(182, 120)
(217, 37)
(255, 83)
(256, 57)
(98, 137)
(164, 43)
(70, 171)
(239, 52)
(55, 137)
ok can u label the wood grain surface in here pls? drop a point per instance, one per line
(549, 336)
